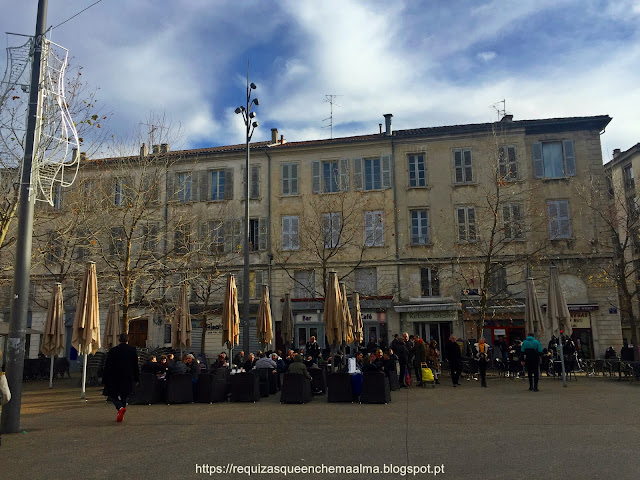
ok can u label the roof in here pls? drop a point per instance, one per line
(623, 156)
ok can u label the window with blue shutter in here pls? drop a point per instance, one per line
(553, 159)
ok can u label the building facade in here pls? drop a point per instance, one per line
(436, 228)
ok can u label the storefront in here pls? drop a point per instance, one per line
(583, 334)
(374, 327)
(431, 321)
(305, 326)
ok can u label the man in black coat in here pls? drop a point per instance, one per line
(403, 359)
(120, 374)
(454, 355)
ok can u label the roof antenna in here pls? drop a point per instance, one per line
(501, 112)
(330, 99)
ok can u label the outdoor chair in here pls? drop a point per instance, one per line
(375, 388)
(295, 389)
(339, 387)
(394, 382)
(179, 388)
(263, 380)
(203, 388)
(319, 380)
(570, 368)
(148, 391)
(245, 387)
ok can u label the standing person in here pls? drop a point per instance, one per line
(482, 356)
(433, 359)
(403, 360)
(531, 349)
(312, 349)
(120, 373)
(454, 355)
(419, 357)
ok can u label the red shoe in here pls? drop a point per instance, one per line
(121, 413)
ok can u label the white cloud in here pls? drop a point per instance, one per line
(487, 56)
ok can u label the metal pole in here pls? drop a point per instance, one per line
(245, 283)
(564, 375)
(10, 422)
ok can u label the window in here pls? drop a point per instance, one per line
(257, 234)
(627, 175)
(216, 236)
(54, 247)
(218, 179)
(507, 163)
(182, 239)
(289, 179)
(331, 226)
(83, 244)
(117, 241)
(417, 176)
(373, 231)
(184, 187)
(553, 159)
(559, 219)
(497, 279)
(429, 282)
(256, 279)
(305, 286)
(366, 281)
(633, 209)
(233, 235)
(120, 191)
(57, 197)
(372, 173)
(512, 221)
(419, 227)
(150, 238)
(466, 217)
(462, 165)
(330, 177)
(254, 185)
(610, 190)
(290, 239)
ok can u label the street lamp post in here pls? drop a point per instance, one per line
(250, 125)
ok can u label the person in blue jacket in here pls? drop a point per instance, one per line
(531, 350)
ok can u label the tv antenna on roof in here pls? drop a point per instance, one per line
(330, 99)
(501, 112)
(152, 130)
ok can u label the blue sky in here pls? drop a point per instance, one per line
(428, 62)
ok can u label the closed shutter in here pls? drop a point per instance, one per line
(538, 163)
(315, 177)
(171, 191)
(368, 229)
(260, 279)
(344, 174)
(255, 182)
(553, 220)
(286, 233)
(228, 236)
(569, 158)
(262, 233)
(506, 219)
(357, 173)
(286, 182)
(204, 239)
(564, 223)
(238, 234)
(203, 186)
(293, 171)
(386, 171)
(295, 239)
(228, 184)
(378, 229)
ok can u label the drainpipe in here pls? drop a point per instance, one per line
(269, 251)
(395, 223)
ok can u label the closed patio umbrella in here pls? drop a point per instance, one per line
(558, 314)
(53, 341)
(112, 327)
(532, 313)
(264, 324)
(230, 316)
(86, 324)
(358, 328)
(182, 321)
(333, 315)
(347, 332)
(286, 326)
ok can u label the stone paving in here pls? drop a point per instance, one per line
(591, 429)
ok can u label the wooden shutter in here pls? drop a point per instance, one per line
(295, 239)
(315, 176)
(286, 179)
(564, 223)
(293, 175)
(369, 230)
(569, 158)
(357, 173)
(228, 236)
(386, 171)
(228, 184)
(255, 182)
(262, 234)
(538, 162)
(378, 238)
(286, 233)
(203, 186)
(171, 190)
(344, 175)
(552, 208)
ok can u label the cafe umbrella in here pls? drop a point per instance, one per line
(53, 339)
(112, 326)
(358, 328)
(264, 324)
(532, 312)
(286, 326)
(558, 314)
(230, 316)
(333, 315)
(182, 321)
(86, 324)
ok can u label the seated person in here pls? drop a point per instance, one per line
(248, 365)
(388, 363)
(178, 367)
(281, 367)
(238, 359)
(298, 367)
(163, 366)
(359, 360)
(152, 366)
(288, 360)
(369, 365)
(266, 363)
(221, 362)
(308, 361)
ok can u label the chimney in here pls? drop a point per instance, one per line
(274, 135)
(616, 152)
(83, 156)
(156, 149)
(143, 150)
(380, 127)
(164, 148)
(387, 123)
(282, 140)
(507, 119)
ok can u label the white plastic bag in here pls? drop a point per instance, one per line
(5, 393)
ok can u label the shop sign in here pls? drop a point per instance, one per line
(371, 317)
(306, 317)
(580, 320)
(499, 331)
(431, 316)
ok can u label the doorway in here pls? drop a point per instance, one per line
(138, 330)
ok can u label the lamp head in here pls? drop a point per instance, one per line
(255, 124)
(252, 86)
(252, 115)
(255, 100)
(238, 110)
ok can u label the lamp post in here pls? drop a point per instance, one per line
(250, 125)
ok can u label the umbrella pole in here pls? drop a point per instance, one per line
(84, 377)
(51, 373)
(564, 375)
